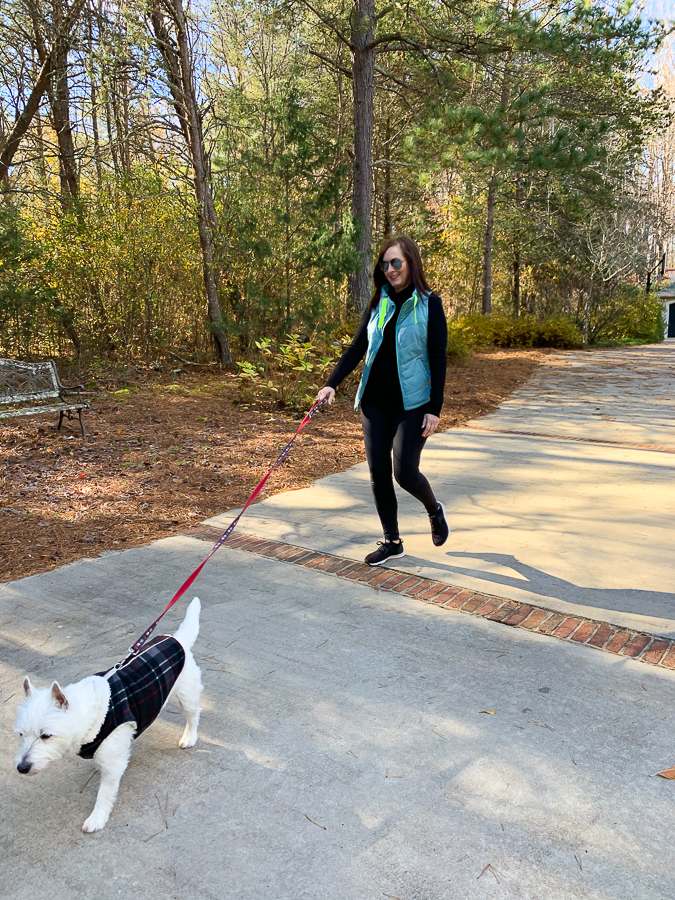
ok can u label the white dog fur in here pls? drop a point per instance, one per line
(53, 722)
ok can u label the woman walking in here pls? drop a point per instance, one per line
(403, 336)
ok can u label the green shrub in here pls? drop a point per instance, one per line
(461, 341)
(287, 374)
(559, 332)
(484, 332)
(25, 298)
(629, 315)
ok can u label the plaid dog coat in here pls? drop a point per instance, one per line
(139, 690)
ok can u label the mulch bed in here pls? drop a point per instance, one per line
(164, 452)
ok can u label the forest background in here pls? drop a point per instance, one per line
(211, 177)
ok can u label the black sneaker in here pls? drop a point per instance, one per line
(386, 550)
(439, 527)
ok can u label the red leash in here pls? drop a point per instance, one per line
(135, 648)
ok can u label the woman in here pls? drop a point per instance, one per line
(403, 335)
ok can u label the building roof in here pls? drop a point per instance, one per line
(667, 292)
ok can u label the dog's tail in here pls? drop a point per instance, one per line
(189, 627)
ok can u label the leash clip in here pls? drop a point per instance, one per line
(129, 656)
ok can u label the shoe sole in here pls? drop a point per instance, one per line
(388, 559)
(446, 522)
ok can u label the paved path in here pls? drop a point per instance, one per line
(360, 711)
(346, 751)
(556, 518)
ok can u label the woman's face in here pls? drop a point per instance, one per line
(397, 278)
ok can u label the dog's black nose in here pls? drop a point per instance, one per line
(24, 768)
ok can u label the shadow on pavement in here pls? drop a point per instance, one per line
(630, 600)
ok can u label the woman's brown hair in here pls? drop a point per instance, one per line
(412, 257)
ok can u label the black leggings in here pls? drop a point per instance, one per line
(400, 432)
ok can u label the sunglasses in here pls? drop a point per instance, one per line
(396, 263)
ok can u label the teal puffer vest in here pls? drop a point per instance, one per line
(412, 356)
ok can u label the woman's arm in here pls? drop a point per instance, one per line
(437, 341)
(353, 355)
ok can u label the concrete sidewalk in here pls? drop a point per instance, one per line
(345, 750)
(357, 744)
(620, 394)
(558, 520)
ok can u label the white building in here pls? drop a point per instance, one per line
(666, 295)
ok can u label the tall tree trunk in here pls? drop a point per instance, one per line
(386, 225)
(587, 310)
(58, 92)
(288, 255)
(25, 117)
(93, 96)
(120, 108)
(516, 283)
(172, 68)
(65, 317)
(486, 306)
(107, 88)
(42, 154)
(206, 216)
(59, 100)
(363, 85)
(126, 145)
(491, 204)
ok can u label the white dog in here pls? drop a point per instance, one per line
(97, 718)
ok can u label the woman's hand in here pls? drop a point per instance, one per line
(429, 425)
(326, 393)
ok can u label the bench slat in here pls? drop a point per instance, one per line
(26, 398)
(36, 410)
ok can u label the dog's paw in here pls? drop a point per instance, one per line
(95, 822)
(188, 740)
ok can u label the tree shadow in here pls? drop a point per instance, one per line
(659, 604)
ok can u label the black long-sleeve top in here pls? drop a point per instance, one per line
(383, 388)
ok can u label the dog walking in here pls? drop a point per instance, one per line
(403, 335)
(98, 717)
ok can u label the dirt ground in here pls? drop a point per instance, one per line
(166, 451)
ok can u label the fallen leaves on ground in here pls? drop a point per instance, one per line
(162, 454)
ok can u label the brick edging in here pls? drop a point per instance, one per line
(652, 649)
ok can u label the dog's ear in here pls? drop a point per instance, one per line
(58, 696)
(27, 687)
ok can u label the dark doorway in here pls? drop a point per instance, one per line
(671, 320)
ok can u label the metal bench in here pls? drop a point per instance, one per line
(26, 383)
